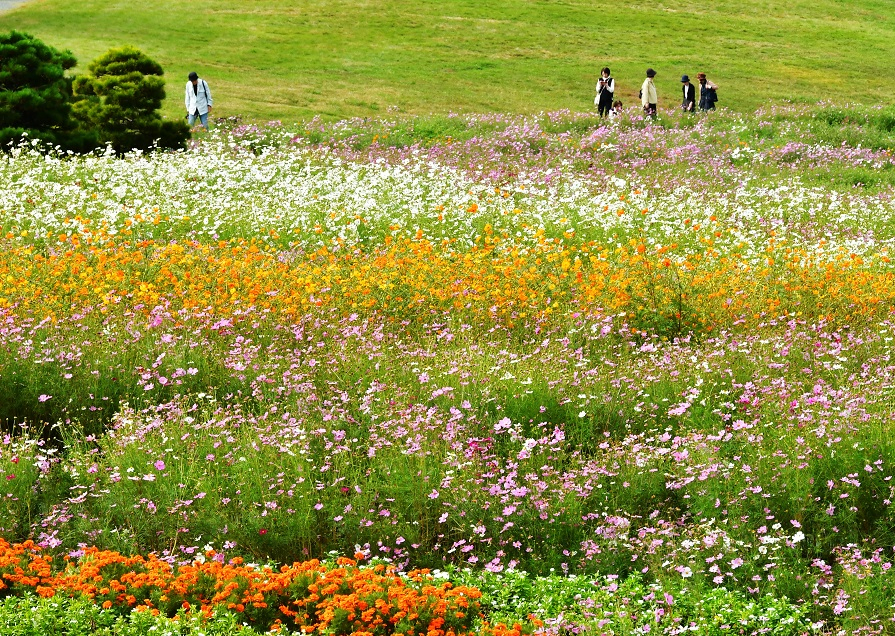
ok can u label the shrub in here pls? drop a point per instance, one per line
(120, 98)
(579, 604)
(32, 615)
(35, 95)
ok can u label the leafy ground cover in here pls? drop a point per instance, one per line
(108, 593)
(620, 378)
(289, 60)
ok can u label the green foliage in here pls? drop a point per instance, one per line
(20, 456)
(118, 102)
(60, 616)
(120, 99)
(858, 127)
(22, 384)
(630, 606)
(35, 94)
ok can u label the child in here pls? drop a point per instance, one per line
(616, 110)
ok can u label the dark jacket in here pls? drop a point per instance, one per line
(605, 94)
(707, 96)
(689, 92)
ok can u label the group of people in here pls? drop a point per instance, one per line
(608, 105)
(197, 98)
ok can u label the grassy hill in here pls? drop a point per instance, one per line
(290, 59)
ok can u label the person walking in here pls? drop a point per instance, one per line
(605, 92)
(197, 100)
(708, 93)
(689, 103)
(648, 97)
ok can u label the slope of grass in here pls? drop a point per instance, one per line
(291, 59)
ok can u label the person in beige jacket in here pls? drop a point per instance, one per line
(648, 96)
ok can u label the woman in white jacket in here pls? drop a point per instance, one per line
(197, 100)
(648, 97)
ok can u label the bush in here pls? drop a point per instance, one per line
(35, 95)
(120, 98)
(31, 615)
(579, 604)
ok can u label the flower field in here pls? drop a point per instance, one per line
(613, 379)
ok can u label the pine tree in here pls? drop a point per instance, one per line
(35, 94)
(120, 99)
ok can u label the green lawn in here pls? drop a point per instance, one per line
(290, 59)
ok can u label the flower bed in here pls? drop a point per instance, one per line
(656, 356)
(308, 596)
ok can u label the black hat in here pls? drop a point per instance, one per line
(685, 78)
(193, 76)
(650, 72)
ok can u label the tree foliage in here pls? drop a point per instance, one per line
(120, 98)
(35, 94)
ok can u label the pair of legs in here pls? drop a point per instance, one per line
(604, 107)
(203, 119)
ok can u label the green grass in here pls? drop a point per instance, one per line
(281, 59)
